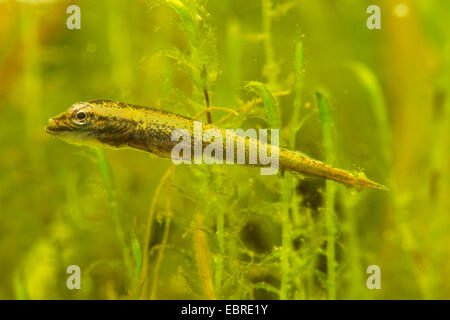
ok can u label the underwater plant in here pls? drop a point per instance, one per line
(140, 227)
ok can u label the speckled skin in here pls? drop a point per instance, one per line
(119, 125)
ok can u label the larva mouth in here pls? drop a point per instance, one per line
(52, 127)
(49, 130)
(58, 124)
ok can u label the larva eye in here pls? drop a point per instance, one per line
(80, 117)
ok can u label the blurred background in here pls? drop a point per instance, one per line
(139, 228)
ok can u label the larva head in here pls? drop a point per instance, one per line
(92, 123)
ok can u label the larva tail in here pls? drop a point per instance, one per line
(298, 162)
(360, 181)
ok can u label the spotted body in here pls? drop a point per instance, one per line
(104, 123)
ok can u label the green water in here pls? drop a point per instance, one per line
(372, 101)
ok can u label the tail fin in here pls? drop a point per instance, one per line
(298, 162)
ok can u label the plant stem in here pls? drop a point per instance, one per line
(270, 67)
(151, 217)
(286, 236)
(167, 223)
(331, 231)
(202, 258)
(219, 260)
(104, 168)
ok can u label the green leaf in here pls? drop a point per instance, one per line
(268, 100)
